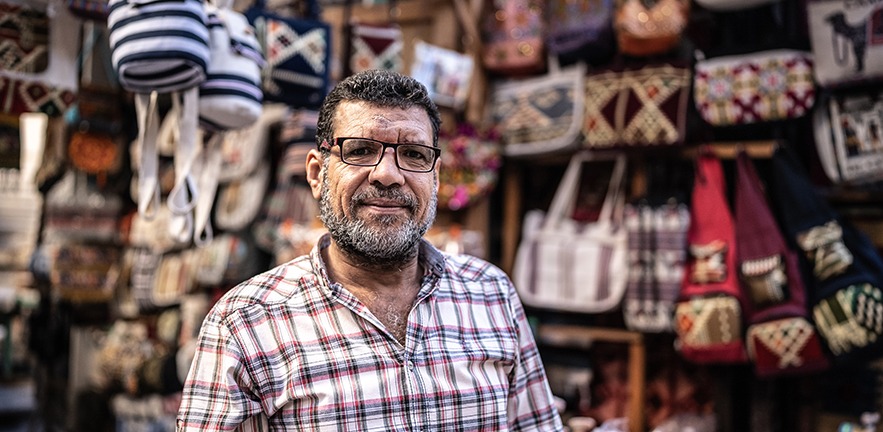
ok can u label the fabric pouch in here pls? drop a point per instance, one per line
(581, 30)
(847, 41)
(376, 46)
(848, 130)
(646, 28)
(636, 107)
(753, 88)
(445, 73)
(540, 115)
(513, 34)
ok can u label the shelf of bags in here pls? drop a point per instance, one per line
(575, 336)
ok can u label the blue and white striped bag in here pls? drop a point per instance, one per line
(159, 45)
(231, 96)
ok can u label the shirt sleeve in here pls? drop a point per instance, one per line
(218, 392)
(531, 406)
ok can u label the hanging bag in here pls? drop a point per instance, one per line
(845, 271)
(650, 27)
(566, 265)
(848, 131)
(710, 311)
(847, 41)
(231, 96)
(512, 33)
(581, 30)
(780, 337)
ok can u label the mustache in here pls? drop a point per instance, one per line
(396, 195)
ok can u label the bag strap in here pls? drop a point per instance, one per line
(184, 193)
(148, 131)
(565, 196)
(206, 171)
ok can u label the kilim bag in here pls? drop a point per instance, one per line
(540, 115)
(844, 267)
(848, 130)
(231, 96)
(650, 27)
(752, 88)
(159, 45)
(567, 265)
(847, 41)
(780, 338)
(39, 61)
(710, 310)
(581, 30)
(376, 46)
(512, 32)
(298, 53)
(636, 107)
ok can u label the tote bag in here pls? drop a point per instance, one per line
(564, 265)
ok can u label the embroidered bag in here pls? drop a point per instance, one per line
(512, 33)
(847, 41)
(375, 46)
(650, 27)
(780, 338)
(159, 45)
(567, 265)
(298, 54)
(39, 65)
(710, 310)
(636, 107)
(580, 30)
(848, 130)
(540, 115)
(230, 97)
(844, 267)
(445, 73)
(657, 226)
(756, 87)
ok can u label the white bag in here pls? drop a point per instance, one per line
(848, 130)
(570, 266)
(846, 41)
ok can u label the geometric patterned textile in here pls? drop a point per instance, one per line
(753, 88)
(376, 46)
(24, 39)
(851, 318)
(634, 108)
(787, 345)
(19, 96)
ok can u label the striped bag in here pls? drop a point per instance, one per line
(159, 45)
(231, 96)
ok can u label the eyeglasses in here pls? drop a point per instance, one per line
(369, 152)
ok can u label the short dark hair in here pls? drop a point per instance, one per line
(379, 87)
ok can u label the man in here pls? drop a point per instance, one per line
(374, 330)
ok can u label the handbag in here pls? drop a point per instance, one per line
(710, 310)
(580, 30)
(848, 131)
(375, 46)
(298, 54)
(231, 97)
(572, 266)
(40, 62)
(646, 28)
(540, 115)
(763, 86)
(513, 35)
(445, 73)
(780, 339)
(159, 45)
(843, 265)
(845, 38)
(636, 107)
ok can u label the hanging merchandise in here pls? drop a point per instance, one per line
(470, 164)
(512, 32)
(567, 265)
(781, 339)
(847, 41)
(650, 27)
(540, 115)
(757, 87)
(845, 273)
(298, 53)
(710, 311)
(848, 130)
(95, 10)
(372, 45)
(445, 73)
(230, 97)
(642, 106)
(581, 30)
(732, 5)
(37, 71)
(657, 226)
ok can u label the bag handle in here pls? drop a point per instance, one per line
(148, 131)
(565, 195)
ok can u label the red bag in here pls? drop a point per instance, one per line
(709, 312)
(780, 339)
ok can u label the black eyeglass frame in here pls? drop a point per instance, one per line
(337, 141)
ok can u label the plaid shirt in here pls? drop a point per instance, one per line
(289, 350)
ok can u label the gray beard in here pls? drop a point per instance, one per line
(384, 241)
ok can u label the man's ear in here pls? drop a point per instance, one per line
(314, 165)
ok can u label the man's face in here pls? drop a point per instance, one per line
(378, 213)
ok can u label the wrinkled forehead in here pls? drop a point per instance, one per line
(362, 119)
